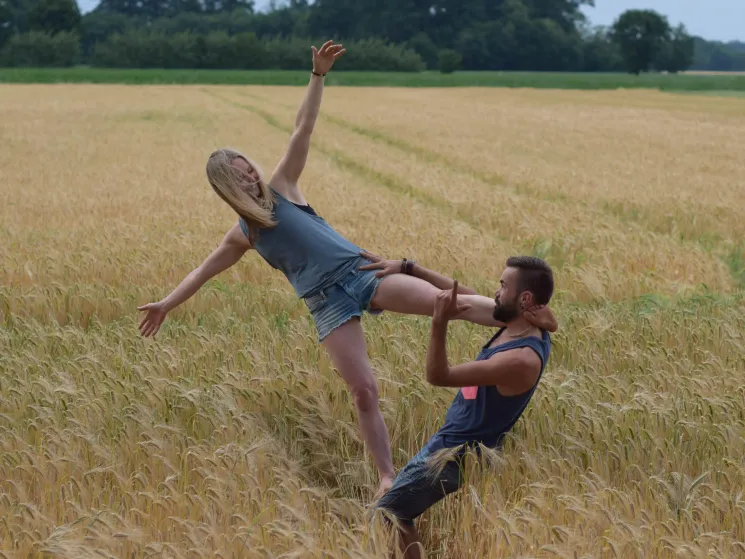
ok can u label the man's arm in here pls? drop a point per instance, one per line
(513, 364)
(504, 366)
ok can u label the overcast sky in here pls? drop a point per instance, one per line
(722, 20)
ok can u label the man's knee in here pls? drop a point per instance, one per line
(365, 395)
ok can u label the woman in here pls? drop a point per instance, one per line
(322, 266)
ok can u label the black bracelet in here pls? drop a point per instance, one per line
(403, 265)
(410, 267)
(316, 73)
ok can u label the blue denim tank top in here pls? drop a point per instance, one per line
(306, 249)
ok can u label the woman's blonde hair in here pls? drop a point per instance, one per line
(226, 181)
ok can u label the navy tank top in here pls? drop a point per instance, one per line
(481, 414)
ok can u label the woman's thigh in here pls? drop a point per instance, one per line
(405, 294)
(409, 295)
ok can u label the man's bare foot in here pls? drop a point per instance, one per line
(385, 485)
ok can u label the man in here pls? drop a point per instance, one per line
(495, 389)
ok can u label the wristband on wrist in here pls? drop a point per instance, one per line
(317, 74)
(407, 266)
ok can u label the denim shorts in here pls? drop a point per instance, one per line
(344, 299)
(418, 486)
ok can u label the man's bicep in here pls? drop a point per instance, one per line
(500, 368)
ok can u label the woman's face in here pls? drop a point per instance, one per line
(250, 176)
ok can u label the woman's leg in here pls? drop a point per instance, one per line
(348, 352)
(409, 295)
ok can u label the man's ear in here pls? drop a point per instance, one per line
(526, 300)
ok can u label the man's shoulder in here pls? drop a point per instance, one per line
(528, 352)
(523, 355)
(528, 357)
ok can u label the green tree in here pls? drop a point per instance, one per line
(226, 6)
(449, 61)
(100, 25)
(484, 34)
(40, 49)
(283, 22)
(677, 52)
(566, 13)
(14, 16)
(53, 16)
(515, 40)
(153, 9)
(426, 48)
(640, 36)
(718, 56)
(6, 21)
(127, 7)
(599, 52)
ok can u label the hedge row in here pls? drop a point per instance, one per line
(218, 50)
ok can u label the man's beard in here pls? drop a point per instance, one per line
(506, 311)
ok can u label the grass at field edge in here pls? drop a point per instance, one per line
(689, 83)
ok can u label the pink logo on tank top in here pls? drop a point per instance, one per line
(469, 392)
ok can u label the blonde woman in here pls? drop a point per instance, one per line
(324, 268)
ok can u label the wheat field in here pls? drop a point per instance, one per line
(230, 434)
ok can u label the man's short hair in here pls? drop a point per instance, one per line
(535, 276)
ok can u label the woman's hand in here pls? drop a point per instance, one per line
(384, 267)
(324, 59)
(156, 314)
(541, 317)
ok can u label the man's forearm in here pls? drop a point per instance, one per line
(437, 359)
(438, 280)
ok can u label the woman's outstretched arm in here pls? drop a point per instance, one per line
(231, 249)
(288, 171)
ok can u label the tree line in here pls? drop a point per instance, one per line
(386, 35)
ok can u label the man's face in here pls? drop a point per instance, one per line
(506, 298)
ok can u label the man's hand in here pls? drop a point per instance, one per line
(541, 317)
(324, 59)
(447, 306)
(384, 267)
